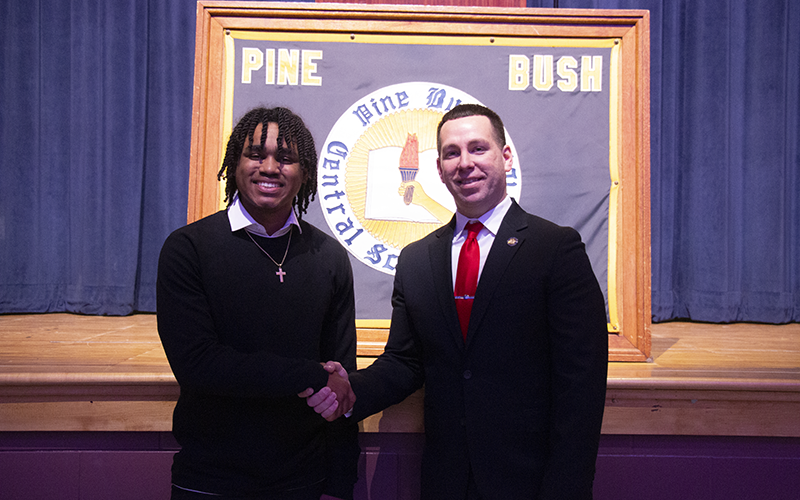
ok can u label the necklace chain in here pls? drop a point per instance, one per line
(280, 272)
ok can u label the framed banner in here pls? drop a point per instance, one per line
(372, 82)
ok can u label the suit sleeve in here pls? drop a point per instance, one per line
(579, 354)
(398, 372)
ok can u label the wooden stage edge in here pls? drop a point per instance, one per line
(64, 372)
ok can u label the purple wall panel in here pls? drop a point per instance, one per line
(125, 475)
(103, 465)
(389, 468)
(697, 468)
(39, 475)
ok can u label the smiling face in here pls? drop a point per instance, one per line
(268, 178)
(473, 165)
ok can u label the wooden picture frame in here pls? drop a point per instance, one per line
(629, 132)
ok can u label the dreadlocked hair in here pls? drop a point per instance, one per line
(290, 129)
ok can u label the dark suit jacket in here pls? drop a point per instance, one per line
(521, 403)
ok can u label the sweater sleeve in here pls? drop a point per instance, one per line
(339, 344)
(200, 362)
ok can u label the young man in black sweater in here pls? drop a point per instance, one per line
(251, 300)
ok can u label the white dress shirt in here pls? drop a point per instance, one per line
(491, 225)
(239, 218)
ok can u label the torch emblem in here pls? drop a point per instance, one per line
(409, 166)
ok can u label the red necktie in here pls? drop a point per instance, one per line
(469, 261)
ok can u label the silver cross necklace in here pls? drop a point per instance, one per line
(280, 272)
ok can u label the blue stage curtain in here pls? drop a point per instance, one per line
(94, 143)
(725, 171)
(95, 130)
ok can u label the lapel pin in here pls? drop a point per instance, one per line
(512, 242)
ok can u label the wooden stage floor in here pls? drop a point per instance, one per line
(72, 372)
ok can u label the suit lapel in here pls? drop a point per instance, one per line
(442, 273)
(509, 239)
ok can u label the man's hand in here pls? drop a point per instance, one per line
(336, 398)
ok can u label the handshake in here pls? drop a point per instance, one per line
(336, 398)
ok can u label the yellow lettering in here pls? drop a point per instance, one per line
(566, 70)
(288, 66)
(282, 66)
(270, 80)
(542, 72)
(310, 67)
(252, 60)
(591, 73)
(518, 68)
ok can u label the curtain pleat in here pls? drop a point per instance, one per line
(95, 134)
(724, 158)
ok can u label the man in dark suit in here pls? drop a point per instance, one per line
(514, 388)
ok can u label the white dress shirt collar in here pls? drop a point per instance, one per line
(240, 219)
(491, 220)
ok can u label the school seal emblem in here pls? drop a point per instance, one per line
(377, 179)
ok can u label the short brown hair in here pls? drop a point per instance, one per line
(465, 110)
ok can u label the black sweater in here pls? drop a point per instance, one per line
(242, 345)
